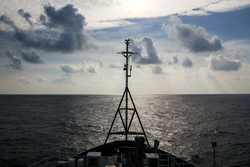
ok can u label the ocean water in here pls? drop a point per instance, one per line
(33, 127)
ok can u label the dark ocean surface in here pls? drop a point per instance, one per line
(33, 127)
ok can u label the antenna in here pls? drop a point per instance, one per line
(127, 55)
(126, 93)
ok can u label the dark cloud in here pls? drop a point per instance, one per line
(16, 62)
(25, 15)
(222, 63)
(31, 57)
(150, 49)
(100, 63)
(91, 69)
(175, 60)
(115, 66)
(68, 23)
(9, 22)
(157, 70)
(70, 69)
(194, 39)
(65, 18)
(24, 80)
(187, 63)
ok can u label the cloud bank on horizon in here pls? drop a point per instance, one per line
(62, 44)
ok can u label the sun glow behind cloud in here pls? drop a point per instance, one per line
(138, 5)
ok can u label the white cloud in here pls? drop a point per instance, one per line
(225, 6)
(107, 13)
(92, 66)
(24, 80)
(237, 45)
(41, 79)
(108, 24)
(86, 66)
(64, 78)
(223, 63)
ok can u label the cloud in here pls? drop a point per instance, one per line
(188, 74)
(111, 65)
(147, 43)
(157, 70)
(187, 63)
(92, 66)
(24, 80)
(87, 66)
(41, 79)
(175, 60)
(97, 81)
(222, 63)
(195, 39)
(237, 55)
(91, 69)
(65, 78)
(31, 57)
(100, 63)
(65, 21)
(9, 22)
(16, 62)
(210, 75)
(25, 15)
(70, 69)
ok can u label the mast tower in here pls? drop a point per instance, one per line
(127, 95)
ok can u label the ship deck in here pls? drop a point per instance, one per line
(110, 149)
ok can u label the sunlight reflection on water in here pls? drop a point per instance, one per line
(33, 127)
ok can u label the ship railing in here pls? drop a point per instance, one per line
(48, 161)
(105, 160)
(170, 161)
(167, 161)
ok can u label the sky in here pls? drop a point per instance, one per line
(70, 47)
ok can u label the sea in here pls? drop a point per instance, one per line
(33, 127)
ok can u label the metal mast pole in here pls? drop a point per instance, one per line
(126, 54)
(127, 43)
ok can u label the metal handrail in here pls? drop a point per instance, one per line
(44, 161)
(172, 160)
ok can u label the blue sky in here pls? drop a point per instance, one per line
(70, 47)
